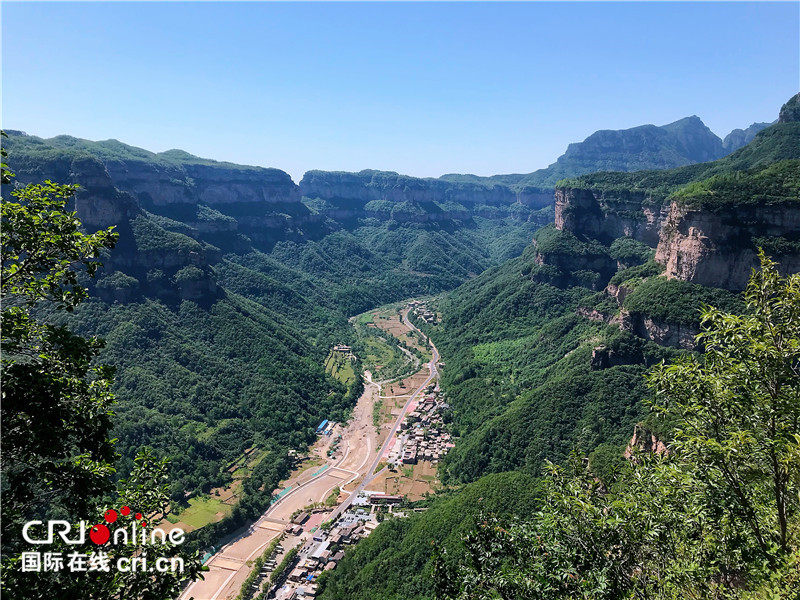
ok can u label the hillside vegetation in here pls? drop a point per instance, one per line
(220, 339)
(773, 145)
(540, 366)
(396, 561)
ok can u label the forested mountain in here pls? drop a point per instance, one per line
(393, 563)
(545, 354)
(741, 137)
(229, 284)
(683, 142)
(210, 254)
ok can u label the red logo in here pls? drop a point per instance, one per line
(100, 533)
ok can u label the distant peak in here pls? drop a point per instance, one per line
(176, 153)
(691, 121)
(791, 110)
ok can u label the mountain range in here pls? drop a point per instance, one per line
(546, 332)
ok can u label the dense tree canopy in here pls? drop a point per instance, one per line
(715, 517)
(56, 405)
(58, 459)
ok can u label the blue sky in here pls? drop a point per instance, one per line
(423, 89)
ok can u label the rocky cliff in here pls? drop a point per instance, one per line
(719, 248)
(660, 331)
(664, 331)
(157, 179)
(148, 257)
(707, 220)
(716, 225)
(706, 223)
(211, 198)
(790, 112)
(388, 195)
(607, 215)
(644, 441)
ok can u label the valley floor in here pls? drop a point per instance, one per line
(357, 460)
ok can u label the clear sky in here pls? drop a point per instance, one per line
(420, 88)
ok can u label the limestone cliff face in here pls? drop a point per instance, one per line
(352, 192)
(195, 284)
(567, 268)
(714, 249)
(169, 260)
(124, 276)
(266, 202)
(98, 203)
(663, 333)
(604, 358)
(535, 197)
(157, 184)
(571, 262)
(790, 112)
(606, 216)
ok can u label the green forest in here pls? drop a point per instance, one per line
(174, 341)
(528, 396)
(174, 301)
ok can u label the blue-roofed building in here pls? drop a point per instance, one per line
(322, 426)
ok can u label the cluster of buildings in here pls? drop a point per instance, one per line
(421, 436)
(326, 427)
(322, 551)
(421, 311)
(347, 351)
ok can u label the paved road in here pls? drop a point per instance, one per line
(370, 473)
(231, 560)
(228, 567)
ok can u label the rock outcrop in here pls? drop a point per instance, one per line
(663, 333)
(644, 441)
(715, 248)
(604, 357)
(98, 203)
(606, 216)
(790, 112)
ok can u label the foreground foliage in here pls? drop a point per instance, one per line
(396, 561)
(58, 460)
(715, 517)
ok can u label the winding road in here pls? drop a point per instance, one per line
(228, 568)
(370, 473)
